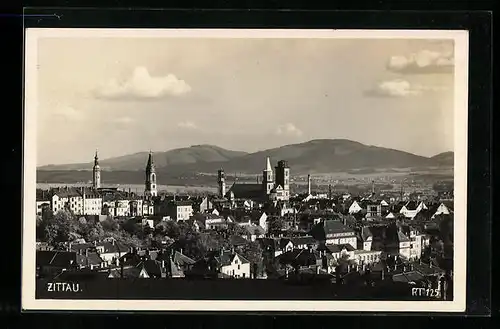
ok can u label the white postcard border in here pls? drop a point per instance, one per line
(29, 303)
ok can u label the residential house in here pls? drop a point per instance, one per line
(253, 232)
(111, 251)
(43, 201)
(355, 207)
(334, 232)
(233, 264)
(373, 211)
(404, 245)
(412, 208)
(205, 205)
(338, 251)
(302, 242)
(444, 208)
(365, 239)
(301, 258)
(49, 263)
(180, 210)
(272, 246)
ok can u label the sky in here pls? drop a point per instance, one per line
(128, 95)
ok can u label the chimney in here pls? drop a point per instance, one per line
(308, 184)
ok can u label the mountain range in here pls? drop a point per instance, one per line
(315, 156)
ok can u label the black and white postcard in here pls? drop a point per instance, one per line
(245, 170)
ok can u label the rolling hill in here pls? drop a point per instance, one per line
(316, 156)
(444, 159)
(137, 161)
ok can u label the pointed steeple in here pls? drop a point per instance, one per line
(268, 165)
(96, 159)
(150, 167)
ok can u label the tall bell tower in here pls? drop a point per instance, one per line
(268, 177)
(151, 189)
(96, 173)
(221, 180)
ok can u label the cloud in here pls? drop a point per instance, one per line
(423, 62)
(288, 129)
(187, 125)
(400, 88)
(68, 113)
(124, 120)
(141, 85)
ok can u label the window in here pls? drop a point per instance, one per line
(238, 266)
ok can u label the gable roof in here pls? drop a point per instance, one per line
(402, 237)
(366, 233)
(92, 258)
(55, 258)
(247, 191)
(227, 257)
(236, 240)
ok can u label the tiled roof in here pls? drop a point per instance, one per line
(55, 258)
(336, 248)
(302, 257)
(303, 240)
(366, 233)
(254, 229)
(182, 259)
(322, 229)
(226, 258)
(247, 191)
(407, 277)
(91, 258)
(449, 204)
(236, 240)
(402, 237)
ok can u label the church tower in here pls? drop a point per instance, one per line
(268, 177)
(283, 178)
(150, 177)
(221, 180)
(96, 173)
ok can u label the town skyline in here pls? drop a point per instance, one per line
(244, 95)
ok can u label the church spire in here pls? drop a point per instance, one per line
(96, 172)
(268, 165)
(150, 167)
(150, 177)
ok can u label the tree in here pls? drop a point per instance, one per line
(277, 224)
(132, 227)
(109, 224)
(254, 254)
(57, 228)
(95, 233)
